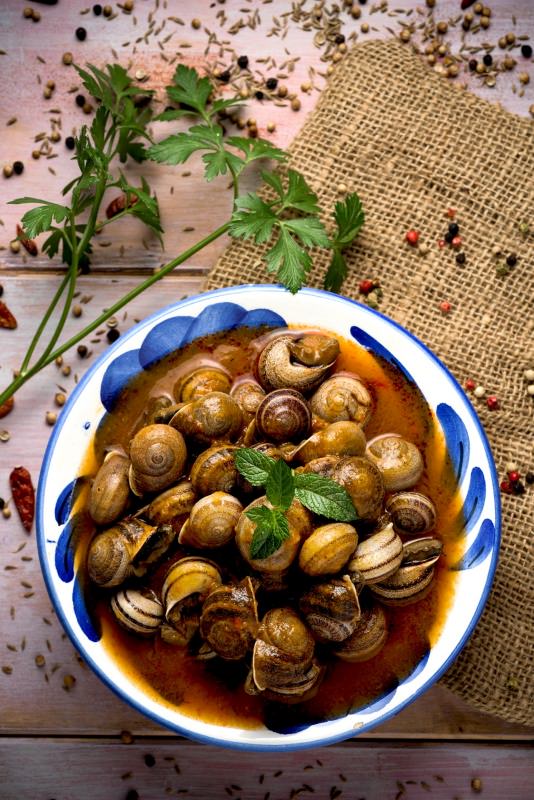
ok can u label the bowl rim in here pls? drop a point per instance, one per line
(234, 744)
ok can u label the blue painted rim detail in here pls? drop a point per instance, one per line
(208, 739)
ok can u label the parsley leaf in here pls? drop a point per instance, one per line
(253, 465)
(40, 219)
(253, 218)
(289, 261)
(190, 89)
(324, 496)
(271, 530)
(349, 217)
(176, 149)
(280, 485)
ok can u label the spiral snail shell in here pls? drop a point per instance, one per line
(157, 454)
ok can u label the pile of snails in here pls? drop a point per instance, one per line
(177, 495)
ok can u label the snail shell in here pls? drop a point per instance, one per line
(378, 556)
(138, 610)
(331, 609)
(111, 553)
(157, 455)
(187, 584)
(248, 394)
(363, 481)
(229, 620)
(314, 349)
(344, 396)
(110, 492)
(283, 652)
(214, 416)
(368, 637)
(299, 520)
(399, 460)
(171, 503)
(215, 470)
(154, 408)
(212, 521)
(339, 438)
(411, 512)
(407, 585)
(324, 466)
(201, 382)
(278, 370)
(283, 415)
(328, 549)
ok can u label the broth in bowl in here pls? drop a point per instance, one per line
(191, 607)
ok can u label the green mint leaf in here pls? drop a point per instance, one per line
(253, 465)
(349, 217)
(271, 530)
(310, 231)
(324, 496)
(280, 486)
(189, 88)
(289, 261)
(336, 273)
(252, 218)
(41, 218)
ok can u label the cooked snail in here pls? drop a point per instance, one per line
(412, 580)
(378, 556)
(363, 481)
(229, 621)
(328, 549)
(399, 461)
(187, 584)
(411, 512)
(336, 439)
(278, 368)
(171, 504)
(110, 492)
(331, 609)
(138, 610)
(212, 521)
(214, 470)
(368, 637)
(248, 394)
(344, 396)
(215, 416)
(157, 455)
(283, 415)
(201, 382)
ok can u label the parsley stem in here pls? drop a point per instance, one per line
(21, 379)
(42, 325)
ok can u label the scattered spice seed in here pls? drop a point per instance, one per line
(51, 418)
(6, 512)
(476, 785)
(70, 143)
(60, 399)
(68, 682)
(492, 402)
(149, 760)
(526, 51)
(81, 34)
(112, 335)
(40, 661)
(82, 350)
(412, 237)
(470, 384)
(126, 737)
(460, 259)
(445, 307)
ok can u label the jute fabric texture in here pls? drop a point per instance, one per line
(412, 146)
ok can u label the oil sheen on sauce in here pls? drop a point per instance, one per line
(213, 690)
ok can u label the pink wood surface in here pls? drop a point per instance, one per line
(35, 711)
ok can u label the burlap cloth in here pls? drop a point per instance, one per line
(412, 145)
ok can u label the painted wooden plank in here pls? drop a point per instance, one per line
(103, 769)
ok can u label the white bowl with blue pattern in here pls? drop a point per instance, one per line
(256, 305)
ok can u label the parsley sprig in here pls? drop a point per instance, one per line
(282, 485)
(286, 216)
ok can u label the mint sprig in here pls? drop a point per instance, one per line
(282, 485)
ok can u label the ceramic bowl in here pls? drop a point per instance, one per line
(255, 305)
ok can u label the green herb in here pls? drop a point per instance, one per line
(290, 222)
(321, 495)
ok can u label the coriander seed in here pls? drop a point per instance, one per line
(36, 154)
(66, 370)
(82, 350)
(107, 11)
(59, 361)
(484, 22)
(342, 188)
(60, 399)
(356, 12)
(271, 127)
(509, 62)
(87, 108)
(282, 90)
(76, 311)
(442, 27)
(27, 12)
(55, 136)
(405, 35)
(476, 785)
(14, 246)
(7, 170)
(128, 5)
(39, 661)
(196, 23)
(479, 392)
(364, 27)
(478, 8)
(510, 38)
(36, 16)
(523, 78)
(296, 104)
(51, 418)
(305, 87)
(502, 42)
(67, 59)
(6, 512)
(47, 93)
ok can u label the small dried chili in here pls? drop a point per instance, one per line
(23, 495)
(7, 320)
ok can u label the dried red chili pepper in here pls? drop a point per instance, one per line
(6, 407)
(20, 482)
(7, 320)
(28, 244)
(119, 204)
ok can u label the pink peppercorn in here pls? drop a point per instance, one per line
(506, 487)
(456, 241)
(492, 402)
(451, 213)
(513, 476)
(441, 243)
(412, 237)
(445, 307)
(470, 384)
(366, 286)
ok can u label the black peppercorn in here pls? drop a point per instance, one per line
(97, 9)
(362, 2)
(242, 62)
(460, 259)
(518, 487)
(225, 76)
(2, 503)
(473, 63)
(70, 143)
(150, 760)
(339, 38)
(511, 260)
(526, 51)
(454, 229)
(1, 290)
(18, 167)
(81, 34)
(112, 335)
(488, 60)
(258, 95)
(449, 237)
(132, 795)
(82, 350)
(529, 478)
(271, 83)
(80, 100)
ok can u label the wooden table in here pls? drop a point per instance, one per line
(67, 744)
